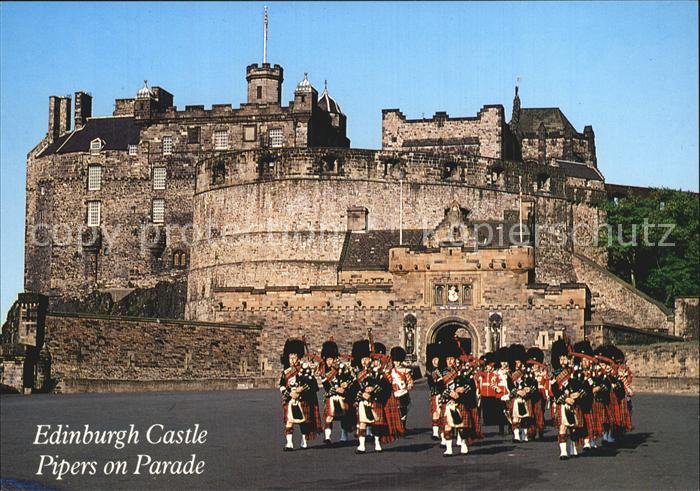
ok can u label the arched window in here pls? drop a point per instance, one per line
(179, 260)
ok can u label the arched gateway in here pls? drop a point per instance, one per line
(450, 327)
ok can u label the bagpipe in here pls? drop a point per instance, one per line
(370, 382)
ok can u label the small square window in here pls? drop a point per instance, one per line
(133, 150)
(159, 174)
(167, 145)
(94, 178)
(221, 140)
(158, 212)
(275, 138)
(249, 133)
(93, 215)
(193, 134)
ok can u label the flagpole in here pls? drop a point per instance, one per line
(265, 39)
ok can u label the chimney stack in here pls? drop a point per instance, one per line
(83, 108)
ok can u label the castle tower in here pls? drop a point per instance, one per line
(264, 83)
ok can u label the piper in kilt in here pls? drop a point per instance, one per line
(459, 400)
(298, 387)
(566, 390)
(401, 382)
(435, 386)
(375, 403)
(523, 388)
(584, 366)
(337, 378)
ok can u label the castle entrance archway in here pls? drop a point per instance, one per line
(447, 329)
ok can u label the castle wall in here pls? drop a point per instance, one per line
(57, 263)
(88, 351)
(348, 324)
(617, 302)
(484, 134)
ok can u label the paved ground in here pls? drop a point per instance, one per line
(243, 448)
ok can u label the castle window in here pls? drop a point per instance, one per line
(179, 260)
(93, 213)
(275, 137)
(221, 140)
(158, 211)
(94, 177)
(133, 150)
(167, 145)
(249, 133)
(193, 134)
(259, 89)
(95, 145)
(159, 174)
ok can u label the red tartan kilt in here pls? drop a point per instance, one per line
(312, 414)
(594, 420)
(472, 422)
(557, 416)
(392, 419)
(435, 409)
(626, 422)
(612, 412)
(538, 414)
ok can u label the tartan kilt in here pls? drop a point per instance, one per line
(471, 430)
(595, 430)
(387, 424)
(313, 424)
(579, 416)
(434, 408)
(612, 412)
(537, 416)
(327, 410)
(626, 423)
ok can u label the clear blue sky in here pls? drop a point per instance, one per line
(629, 69)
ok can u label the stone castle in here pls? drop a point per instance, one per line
(273, 226)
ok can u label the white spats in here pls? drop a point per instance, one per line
(361, 446)
(443, 441)
(459, 439)
(525, 436)
(327, 432)
(377, 444)
(463, 449)
(573, 451)
(303, 441)
(436, 431)
(562, 450)
(448, 450)
(516, 434)
(289, 444)
(343, 436)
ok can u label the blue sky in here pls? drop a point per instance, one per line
(629, 69)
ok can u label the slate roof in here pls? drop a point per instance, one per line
(552, 117)
(367, 251)
(370, 250)
(583, 171)
(116, 132)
